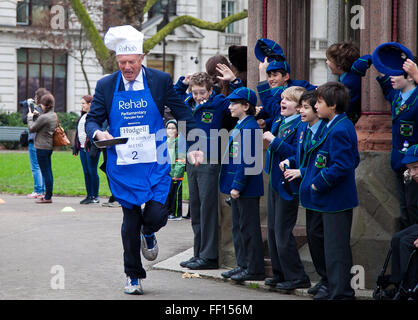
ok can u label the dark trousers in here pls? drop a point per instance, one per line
(281, 219)
(203, 202)
(402, 247)
(151, 219)
(329, 243)
(44, 161)
(246, 234)
(408, 201)
(91, 178)
(175, 198)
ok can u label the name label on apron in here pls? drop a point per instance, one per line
(140, 148)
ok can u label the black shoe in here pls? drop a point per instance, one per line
(313, 291)
(273, 281)
(245, 276)
(322, 294)
(87, 200)
(203, 264)
(186, 217)
(94, 200)
(294, 284)
(228, 274)
(185, 263)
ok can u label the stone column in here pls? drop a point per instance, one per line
(335, 27)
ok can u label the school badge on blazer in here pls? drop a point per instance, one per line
(320, 161)
(406, 129)
(207, 117)
(233, 149)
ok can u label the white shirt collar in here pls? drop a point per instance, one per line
(139, 81)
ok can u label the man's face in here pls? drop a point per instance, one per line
(413, 170)
(276, 79)
(130, 65)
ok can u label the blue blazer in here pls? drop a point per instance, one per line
(352, 80)
(404, 121)
(281, 148)
(162, 91)
(232, 175)
(331, 168)
(299, 161)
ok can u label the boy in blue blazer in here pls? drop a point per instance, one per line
(244, 187)
(309, 134)
(344, 61)
(328, 189)
(402, 93)
(209, 110)
(283, 202)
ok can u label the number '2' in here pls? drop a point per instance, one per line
(135, 157)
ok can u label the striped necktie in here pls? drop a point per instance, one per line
(131, 85)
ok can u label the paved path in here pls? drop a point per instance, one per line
(39, 243)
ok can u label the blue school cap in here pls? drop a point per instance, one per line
(279, 65)
(268, 48)
(244, 93)
(389, 57)
(411, 155)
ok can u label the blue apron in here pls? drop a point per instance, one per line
(138, 171)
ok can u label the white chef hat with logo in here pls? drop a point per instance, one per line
(124, 40)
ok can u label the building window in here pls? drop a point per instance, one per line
(158, 9)
(33, 12)
(44, 68)
(228, 9)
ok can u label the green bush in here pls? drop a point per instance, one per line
(12, 119)
(68, 120)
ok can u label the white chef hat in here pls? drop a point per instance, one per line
(124, 40)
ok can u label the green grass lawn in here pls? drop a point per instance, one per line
(16, 176)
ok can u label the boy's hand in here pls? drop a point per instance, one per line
(261, 123)
(262, 70)
(292, 174)
(268, 136)
(227, 73)
(411, 68)
(257, 110)
(234, 194)
(284, 162)
(186, 79)
(195, 157)
(416, 243)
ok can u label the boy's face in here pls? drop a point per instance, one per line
(324, 111)
(276, 79)
(399, 82)
(171, 130)
(288, 106)
(307, 114)
(333, 68)
(238, 110)
(413, 170)
(200, 94)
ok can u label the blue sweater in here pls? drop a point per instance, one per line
(232, 174)
(404, 121)
(331, 168)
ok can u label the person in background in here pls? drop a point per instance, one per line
(89, 154)
(38, 180)
(44, 126)
(177, 154)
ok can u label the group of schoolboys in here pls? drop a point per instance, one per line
(311, 159)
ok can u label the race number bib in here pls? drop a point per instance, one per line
(140, 148)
